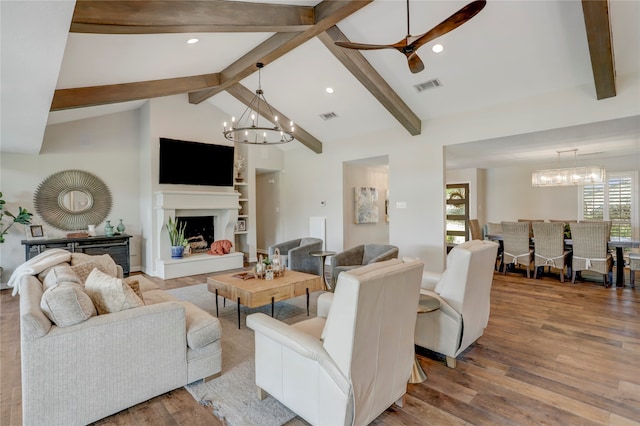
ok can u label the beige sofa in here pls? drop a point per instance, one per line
(77, 374)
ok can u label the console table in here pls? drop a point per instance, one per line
(117, 247)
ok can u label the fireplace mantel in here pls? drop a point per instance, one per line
(180, 200)
(223, 206)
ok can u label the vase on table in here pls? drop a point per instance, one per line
(108, 229)
(121, 227)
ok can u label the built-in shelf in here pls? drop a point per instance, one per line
(241, 236)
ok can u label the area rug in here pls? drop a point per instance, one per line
(233, 394)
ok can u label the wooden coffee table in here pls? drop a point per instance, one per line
(256, 292)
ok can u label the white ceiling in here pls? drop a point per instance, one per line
(512, 50)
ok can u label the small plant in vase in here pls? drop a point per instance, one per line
(240, 163)
(23, 217)
(176, 237)
(268, 268)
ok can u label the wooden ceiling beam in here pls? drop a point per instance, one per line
(596, 20)
(327, 13)
(361, 69)
(186, 16)
(245, 96)
(113, 93)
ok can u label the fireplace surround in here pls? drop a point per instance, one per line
(222, 206)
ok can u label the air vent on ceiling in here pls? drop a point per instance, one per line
(431, 84)
(328, 115)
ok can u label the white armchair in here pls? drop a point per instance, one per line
(464, 291)
(351, 362)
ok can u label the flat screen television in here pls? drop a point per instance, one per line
(195, 163)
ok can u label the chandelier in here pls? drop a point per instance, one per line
(567, 176)
(248, 128)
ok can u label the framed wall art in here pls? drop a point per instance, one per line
(365, 205)
(35, 231)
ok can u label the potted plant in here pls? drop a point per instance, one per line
(23, 217)
(176, 237)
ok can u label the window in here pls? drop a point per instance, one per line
(457, 213)
(614, 200)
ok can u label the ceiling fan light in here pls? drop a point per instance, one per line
(437, 48)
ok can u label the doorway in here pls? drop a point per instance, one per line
(267, 209)
(366, 174)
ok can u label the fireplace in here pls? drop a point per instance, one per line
(199, 231)
(219, 210)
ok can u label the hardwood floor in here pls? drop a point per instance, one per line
(559, 354)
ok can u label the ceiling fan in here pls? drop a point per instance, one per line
(410, 44)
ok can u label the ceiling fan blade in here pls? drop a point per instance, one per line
(415, 63)
(451, 23)
(362, 46)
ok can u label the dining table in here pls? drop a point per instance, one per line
(619, 246)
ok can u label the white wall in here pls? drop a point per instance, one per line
(106, 146)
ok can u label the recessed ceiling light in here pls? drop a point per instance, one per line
(437, 48)
(329, 90)
(192, 41)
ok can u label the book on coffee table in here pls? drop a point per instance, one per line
(244, 275)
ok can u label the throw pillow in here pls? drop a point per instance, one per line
(107, 264)
(66, 304)
(84, 269)
(110, 294)
(42, 275)
(135, 286)
(60, 274)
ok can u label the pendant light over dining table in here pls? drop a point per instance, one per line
(249, 130)
(567, 176)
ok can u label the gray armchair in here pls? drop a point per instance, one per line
(295, 254)
(357, 256)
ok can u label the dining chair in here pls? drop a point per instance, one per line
(634, 265)
(515, 245)
(495, 229)
(590, 249)
(492, 228)
(530, 221)
(607, 222)
(476, 231)
(549, 247)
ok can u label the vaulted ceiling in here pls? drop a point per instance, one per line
(121, 53)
